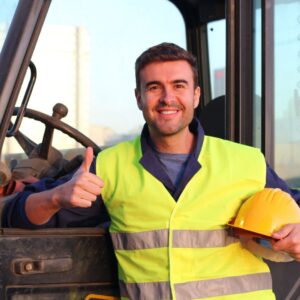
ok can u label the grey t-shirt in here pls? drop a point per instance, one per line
(174, 165)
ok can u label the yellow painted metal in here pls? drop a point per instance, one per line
(100, 297)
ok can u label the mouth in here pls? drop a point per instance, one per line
(168, 112)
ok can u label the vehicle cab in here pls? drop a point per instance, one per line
(67, 82)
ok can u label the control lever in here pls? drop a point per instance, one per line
(59, 112)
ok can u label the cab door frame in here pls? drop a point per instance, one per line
(240, 74)
(23, 33)
(240, 96)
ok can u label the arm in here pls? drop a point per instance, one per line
(274, 181)
(287, 239)
(68, 201)
(41, 207)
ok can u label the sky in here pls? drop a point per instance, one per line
(7, 8)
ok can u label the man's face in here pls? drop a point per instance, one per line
(167, 97)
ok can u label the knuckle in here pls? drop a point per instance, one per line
(294, 241)
(73, 201)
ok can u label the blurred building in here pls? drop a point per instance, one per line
(62, 59)
(219, 83)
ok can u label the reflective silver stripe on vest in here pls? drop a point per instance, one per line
(181, 239)
(145, 291)
(140, 240)
(197, 289)
(202, 238)
(223, 286)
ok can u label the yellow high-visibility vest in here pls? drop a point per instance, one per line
(181, 250)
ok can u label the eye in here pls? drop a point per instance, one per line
(179, 86)
(153, 88)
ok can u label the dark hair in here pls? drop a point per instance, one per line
(165, 52)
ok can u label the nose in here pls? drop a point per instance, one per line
(167, 96)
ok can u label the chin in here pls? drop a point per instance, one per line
(168, 131)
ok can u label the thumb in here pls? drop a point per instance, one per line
(87, 159)
(283, 232)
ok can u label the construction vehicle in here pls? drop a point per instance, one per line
(251, 97)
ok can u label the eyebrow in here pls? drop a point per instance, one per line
(152, 82)
(158, 82)
(180, 81)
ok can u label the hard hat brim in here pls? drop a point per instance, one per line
(266, 212)
(241, 232)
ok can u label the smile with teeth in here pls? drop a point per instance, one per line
(168, 112)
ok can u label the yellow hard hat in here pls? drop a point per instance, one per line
(265, 213)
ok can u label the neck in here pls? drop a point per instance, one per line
(181, 143)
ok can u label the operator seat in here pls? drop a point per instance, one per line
(212, 117)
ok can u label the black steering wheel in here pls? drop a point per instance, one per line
(51, 123)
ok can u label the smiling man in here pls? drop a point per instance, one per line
(167, 96)
(169, 194)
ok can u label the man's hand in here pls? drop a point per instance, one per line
(83, 189)
(80, 191)
(288, 240)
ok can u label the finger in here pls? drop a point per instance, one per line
(94, 188)
(280, 245)
(288, 244)
(282, 233)
(95, 180)
(85, 179)
(87, 191)
(88, 159)
(86, 195)
(79, 202)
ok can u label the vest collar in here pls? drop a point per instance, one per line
(152, 164)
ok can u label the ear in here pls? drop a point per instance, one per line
(138, 98)
(197, 94)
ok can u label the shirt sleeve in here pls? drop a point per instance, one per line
(274, 181)
(14, 211)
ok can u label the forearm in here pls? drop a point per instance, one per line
(14, 214)
(45, 203)
(71, 201)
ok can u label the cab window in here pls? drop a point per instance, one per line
(85, 59)
(287, 89)
(216, 32)
(7, 9)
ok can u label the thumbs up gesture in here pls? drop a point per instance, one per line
(84, 187)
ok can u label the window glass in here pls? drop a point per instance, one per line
(7, 10)
(85, 59)
(217, 57)
(287, 90)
